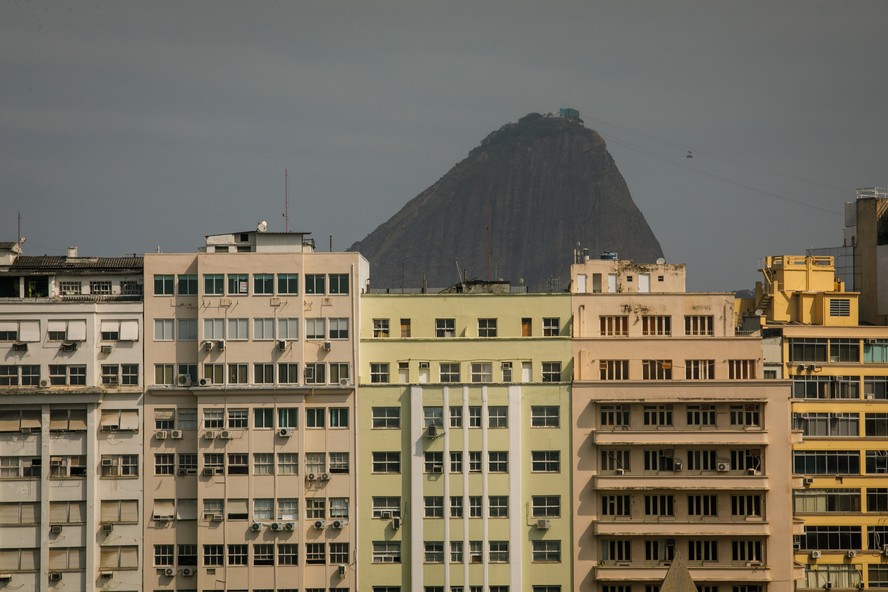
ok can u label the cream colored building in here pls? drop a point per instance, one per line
(70, 445)
(249, 410)
(679, 446)
(463, 441)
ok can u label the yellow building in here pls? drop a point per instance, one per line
(839, 373)
(463, 438)
(679, 446)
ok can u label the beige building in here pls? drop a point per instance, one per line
(679, 446)
(70, 447)
(250, 478)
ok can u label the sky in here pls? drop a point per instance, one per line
(128, 127)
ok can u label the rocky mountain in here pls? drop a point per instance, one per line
(541, 186)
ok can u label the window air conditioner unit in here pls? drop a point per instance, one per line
(55, 463)
(676, 466)
(544, 524)
(311, 477)
(183, 380)
(328, 346)
(256, 526)
(860, 585)
(109, 428)
(396, 523)
(277, 526)
(106, 349)
(851, 554)
(808, 481)
(751, 471)
(385, 515)
(169, 572)
(436, 469)
(55, 529)
(423, 365)
(828, 586)
(220, 345)
(320, 524)
(69, 346)
(723, 467)
(162, 518)
(161, 434)
(282, 345)
(188, 572)
(107, 527)
(324, 477)
(176, 434)
(290, 526)
(55, 576)
(106, 574)
(432, 431)
(341, 571)
(338, 524)
(815, 554)
(5, 577)
(285, 432)
(19, 347)
(107, 462)
(620, 471)
(871, 341)
(226, 435)
(209, 471)
(209, 435)
(216, 517)
(208, 346)
(112, 381)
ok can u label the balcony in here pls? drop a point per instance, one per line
(681, 481)
(752, 437)
(715, 572)
(668, 526)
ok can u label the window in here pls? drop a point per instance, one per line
(506, 367)
(657, 415)
(111, 557)
(746, 505)
(238, 373)
(456, 416)
(214, 554)
(315, 283)
(288, 283)
(316, 373)
(405, 327)
(545, 461)
(386, 418)
(699, 369)
(263, 373)
(339, 554)
(288, 373)
(615, 460)
(339, 507)
(449, 371)
(74, 420)
(163, 330)
(474, 416)
(844, 350)
(826, 462)
(164, 464)
(288, 463)
(482, 372)
(656, 369)
(659, 460)
(486, 327)
(187, 285)
(237, 418)
(808, 350)
(546, 551)
(702, 550)
(163, 285)
(551, 371)
(339, 462)
(100, 287)
(749, 415)
(741, 369)
(497, 417)
(445, 327)
(434, 462)
(498, 552)
(456, 552)
(699, 325)
(616, 550)
(551, 326)
(263, 463)
(498, 506)
(214, 461)
(544, 416)
(702, 460)
(263, 329)
(338, 283)
(164, 555)
(214, 329)
(314, 417)
(615, 415)
(76, 288)
(456, 461)
(701, 415)
(386, 552)
(288, 328)
(315, 329)
(338, 417)
(380, 327)
(315, 507)
(616, 505)
(702, 505)
(498, 462)
(456, 506)
(386, 462)
(338, 328)
(614, 370)
(116, 511)
(476, 551)
(238, 284)
(386, 507)
(614, 325)
(812, 501)
(120, 465)
(379, 372)
(163, 374)
(474, 461)
(238, 329)
(238, 463)
(546, 506)
(433, 506)
(656, 325)
(750, 550)
(186, 329)
(659, 505)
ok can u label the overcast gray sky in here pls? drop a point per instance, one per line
(125, 126)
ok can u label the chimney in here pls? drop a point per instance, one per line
(72, 252)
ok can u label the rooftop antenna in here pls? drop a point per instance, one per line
(286, 202)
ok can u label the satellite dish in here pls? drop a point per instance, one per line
(262, 226)
(661, 261)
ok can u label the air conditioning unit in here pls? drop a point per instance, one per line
(815, 554)
(208, 346)
(870, 341)
(110, 428)
(851, 554)
(5, 577)
(217, 517)
(285, 432)
(183, 380)
(544, 524)
(188, 571)
(107, 527)
(827, 586)
(169, 572)
(324, 477)
(176, 434)
(203, 382)
(209, 435)
(106, 574)
(112, 381)
(344, 382)
(44, 383)
(396, 523)
(432, 431)
(282, 345)
(328, 346)
(752, 471)
(19, 347)
(290, 526)
(55, 576)
(277, 526)
(107, 462)
(808, 481)
(161, 434)
(256, 526)
(341, 571)
(860, 585)
(885, 550)
(56, 463)
(226, 435)
(311, 477)
(106, 349)
(338, 524)
(676, 465)
(723, 467)
(209, 471)
(620, 471)
(320, 524)
(55, 529)
(436, 469)
(423, 365)
(69, 346)
(220, 345)
(162, 518)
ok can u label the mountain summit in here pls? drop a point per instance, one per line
(540, 186)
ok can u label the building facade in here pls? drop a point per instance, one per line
(249, 411)
(70, 402)
(463, 439)
(679, 446)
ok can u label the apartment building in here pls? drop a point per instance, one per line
(839, 374)
(70, 395)
(464, 441)
(249, 410)
(680, 448)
